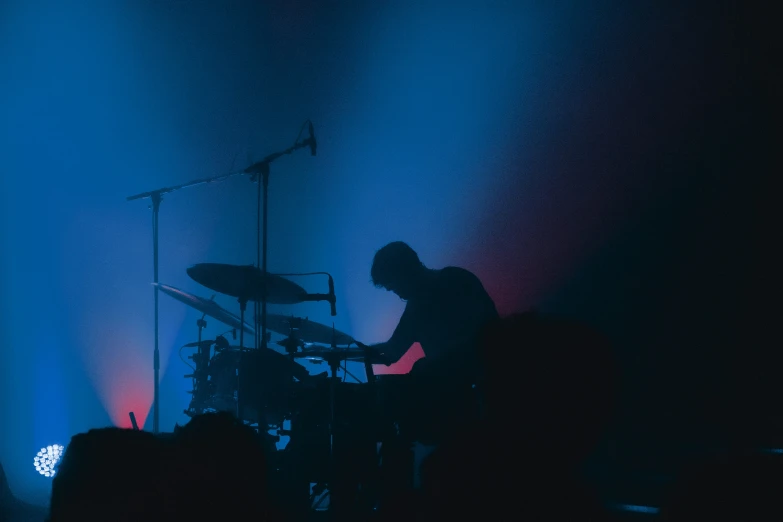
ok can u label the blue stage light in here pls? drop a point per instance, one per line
(46, 459)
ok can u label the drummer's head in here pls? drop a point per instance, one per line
(396, 267)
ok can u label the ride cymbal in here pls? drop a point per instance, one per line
(246, 283)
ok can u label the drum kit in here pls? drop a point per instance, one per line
(268, 389)
(329, 421)
(256, 383)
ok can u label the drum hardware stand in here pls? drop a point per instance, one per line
(320, 487)
(201, 324)
(199, 373)
(292, 343)
(242, 308)
(334, 365)
(156, 196)
(344, 368)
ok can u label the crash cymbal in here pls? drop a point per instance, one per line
(306, 330)
(245, 282)
(205, 306)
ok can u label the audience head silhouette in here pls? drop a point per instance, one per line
(225, 462)
(213, 468)
(110, 474)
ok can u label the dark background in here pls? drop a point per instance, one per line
(609, 161)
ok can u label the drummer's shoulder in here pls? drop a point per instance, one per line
(456, 273)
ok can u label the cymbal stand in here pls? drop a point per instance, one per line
(334, 366)
(262, 224)
(200, 361)
(292, 343)
(242, 308)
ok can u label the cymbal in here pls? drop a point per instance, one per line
(245, 282)
(336, 354)
(205, 306)
(269, 360)
(195, 344)
(306, 330)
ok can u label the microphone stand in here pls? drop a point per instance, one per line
(260, 171)
(155, 197)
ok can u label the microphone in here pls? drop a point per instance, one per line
(332, 297)
(312, 144)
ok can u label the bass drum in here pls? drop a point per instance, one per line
(266, 379)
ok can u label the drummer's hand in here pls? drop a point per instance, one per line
(375, 356)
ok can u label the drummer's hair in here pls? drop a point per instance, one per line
(395, 260)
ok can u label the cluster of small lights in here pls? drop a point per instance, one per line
(47, 458)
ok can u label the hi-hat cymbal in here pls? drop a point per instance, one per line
(332, 354)
(205, 306)
(270, 361)
(207, 343)
(246, 282)
(306, 330)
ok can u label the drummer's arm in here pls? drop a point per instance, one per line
(401, 340)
